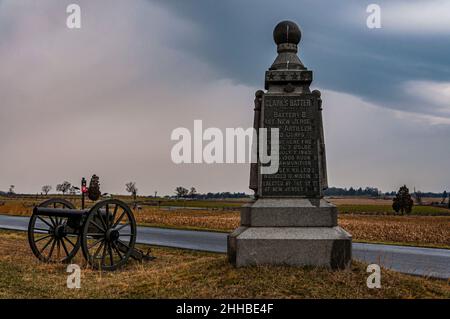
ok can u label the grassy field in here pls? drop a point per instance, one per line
(387, 210)
(425, 231)
(186, 274)
(363, 224)
(31, 200)
(346, 205)
(379, 206)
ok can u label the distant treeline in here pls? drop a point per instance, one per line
(221, 195)
(332, 191)
(371, 192)
(429, 194)
(368, 191)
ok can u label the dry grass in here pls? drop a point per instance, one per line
(186, 274)
(349, 200)
(190, 219)
(428, 231)
(17, 207)
(359, 205)
(387, 210)
(358, 201)
(414, 230)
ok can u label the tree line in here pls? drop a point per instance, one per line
(182, 192)
(374, 192)
(368, 191)
(68, 188)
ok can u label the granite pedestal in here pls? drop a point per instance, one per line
(291, 232)
(290, 223)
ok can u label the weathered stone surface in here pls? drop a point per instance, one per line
(290, 223)
(297, 117)
(232, 244)
(287, 32)
(292, 212)
(295, 246)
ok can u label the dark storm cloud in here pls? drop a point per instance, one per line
(105, 99)
(345, 55)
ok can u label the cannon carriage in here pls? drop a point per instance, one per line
(106, 233)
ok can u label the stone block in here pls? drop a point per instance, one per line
(296, 212)
(293, 246)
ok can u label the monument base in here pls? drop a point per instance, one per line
(289, 212)
(294, 238)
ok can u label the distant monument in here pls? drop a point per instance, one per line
(290, 223)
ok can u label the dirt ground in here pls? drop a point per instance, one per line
(186, 274)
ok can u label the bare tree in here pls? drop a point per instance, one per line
(180, 191)
(444, 197)
(192, 192)
(11, 190)
(418, 196)
(46, 189)
(132, 189)
(64, 187)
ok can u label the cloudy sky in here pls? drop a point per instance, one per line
(105, 98)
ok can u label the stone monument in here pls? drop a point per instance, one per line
(290, 223)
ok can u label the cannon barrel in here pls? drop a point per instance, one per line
(58, 212)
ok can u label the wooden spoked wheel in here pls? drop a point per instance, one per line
(109, 235)
(49, 236)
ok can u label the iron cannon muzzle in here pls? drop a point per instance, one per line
(58, 212)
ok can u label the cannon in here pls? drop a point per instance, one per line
(106, 233)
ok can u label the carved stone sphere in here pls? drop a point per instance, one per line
(287, 32)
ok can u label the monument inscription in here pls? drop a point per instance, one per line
(296, 117)
(289, 223)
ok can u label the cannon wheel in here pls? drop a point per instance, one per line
(108, 235)
(47, 237)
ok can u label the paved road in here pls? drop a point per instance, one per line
(411, 260)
